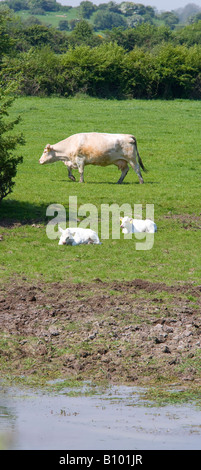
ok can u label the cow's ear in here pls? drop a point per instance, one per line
(48, 147)
(61, 230)
(131, 221)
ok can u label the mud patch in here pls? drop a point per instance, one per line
(125, 332)
(187, 221)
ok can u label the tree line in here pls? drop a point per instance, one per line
(109, 14)
(147, 61)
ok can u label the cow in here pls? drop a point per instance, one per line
(130, 225)
(78, 236)
(94, 148)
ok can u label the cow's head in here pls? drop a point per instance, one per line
(48, 156)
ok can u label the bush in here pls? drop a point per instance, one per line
(107, 70)
(94, 71)
(176, 71)
(35, 72)
(8, 143)
(140, 74)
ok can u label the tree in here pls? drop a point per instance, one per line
(18, 5)
(46, 5)
(108, 20)
(86, 9)
(8, 143)
(63, 25)
(6, 42)
(112, 6)
(170, 18)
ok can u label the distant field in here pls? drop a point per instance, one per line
(52, 18)
(168, 136)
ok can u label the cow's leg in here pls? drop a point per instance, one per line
(123, 166)
(123, 174)
(136, 168)
(70, 175)
(80, 165)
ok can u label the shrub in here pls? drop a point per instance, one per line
(8, 143)
(176, 72)
(35, 72)
(140, 74)
(95, 71)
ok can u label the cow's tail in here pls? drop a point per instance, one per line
(139, 158)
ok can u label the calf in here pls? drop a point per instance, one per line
(130, 225)
(78, 236)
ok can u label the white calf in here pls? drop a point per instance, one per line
(78, 236)
(130, 225)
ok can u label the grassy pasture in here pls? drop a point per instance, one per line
(51, 18)
(168, 136)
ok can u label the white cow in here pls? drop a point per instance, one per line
(94, 148)
(130, 225)
(78, 236)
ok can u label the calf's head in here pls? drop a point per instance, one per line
(125, 222)
(66, 237)
(48, 156)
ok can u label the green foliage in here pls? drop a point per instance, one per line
(34, 71)
(108, 20)
(39, 36)
(107, 71)
(43, 5)
(8, 143)
(94, 71)
(86, 9)
(176, 71)
(170, 19)
(140, 74)
(146, 61)
(189, 35)
(6, 42)
(83, 34)
(18, 5)
(63, 25)
(145, 36)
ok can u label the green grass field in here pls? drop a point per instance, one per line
(51, 18)
(168, 136)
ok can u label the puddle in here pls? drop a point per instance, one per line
(115, 419)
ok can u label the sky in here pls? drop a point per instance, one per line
(166, 5)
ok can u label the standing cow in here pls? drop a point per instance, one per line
(93, 148)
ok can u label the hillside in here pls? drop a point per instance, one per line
(102, 17)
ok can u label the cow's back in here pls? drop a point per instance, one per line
(99, 148)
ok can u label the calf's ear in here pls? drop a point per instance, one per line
(61, 230)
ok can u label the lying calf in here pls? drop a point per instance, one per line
(78, 236)
(130, 225)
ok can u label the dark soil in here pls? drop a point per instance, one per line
(125, 332)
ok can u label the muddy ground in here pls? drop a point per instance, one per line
(134, 332)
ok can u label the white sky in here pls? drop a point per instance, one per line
(167, 5)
